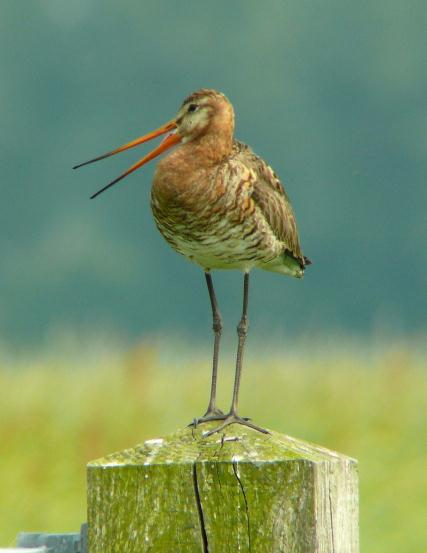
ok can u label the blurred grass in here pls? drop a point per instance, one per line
(59, 411)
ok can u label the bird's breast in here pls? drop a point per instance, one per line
(198, 197)
(185, 203)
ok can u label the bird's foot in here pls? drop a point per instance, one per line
(232, 418)
(213, 413)
(210, 415)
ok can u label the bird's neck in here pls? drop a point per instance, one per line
(208, 149)
(196, 155)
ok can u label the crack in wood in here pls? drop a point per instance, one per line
(246, 504)
(200, 511)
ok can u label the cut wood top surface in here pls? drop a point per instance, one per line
(233, 444)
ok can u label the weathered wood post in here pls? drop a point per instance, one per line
(235, 491)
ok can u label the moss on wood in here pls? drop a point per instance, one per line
(234, 491)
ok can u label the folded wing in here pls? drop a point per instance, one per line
(270, 197)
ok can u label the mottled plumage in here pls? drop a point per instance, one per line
(221, 206)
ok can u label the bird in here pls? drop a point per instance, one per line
(222, 207)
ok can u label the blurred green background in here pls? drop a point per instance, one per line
(60, 411)
(105, 332)
(332, 94)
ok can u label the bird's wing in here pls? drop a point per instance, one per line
(270, 197)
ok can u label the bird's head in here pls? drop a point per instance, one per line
(205, 113)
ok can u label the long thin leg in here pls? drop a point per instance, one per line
(212, 413)
(242, 331)
(217, 328)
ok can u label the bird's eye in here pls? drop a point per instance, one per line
(192, 107)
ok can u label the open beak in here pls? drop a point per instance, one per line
(169, 141)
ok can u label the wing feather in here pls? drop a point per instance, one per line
(270, 197)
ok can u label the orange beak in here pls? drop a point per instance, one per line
(170, 140)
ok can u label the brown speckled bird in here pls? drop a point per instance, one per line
(221, 206)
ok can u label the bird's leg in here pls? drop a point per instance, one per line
(217, 328)
(212, 413)
(242, 331)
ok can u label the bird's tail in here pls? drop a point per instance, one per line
(285, 265)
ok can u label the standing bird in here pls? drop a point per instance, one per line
(222, 207)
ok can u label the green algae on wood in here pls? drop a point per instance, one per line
(238, 490)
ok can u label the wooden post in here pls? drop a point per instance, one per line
(25, 550)
(52, 543)
(239, 490)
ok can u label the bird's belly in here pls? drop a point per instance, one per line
(211, 253)
(218, 243)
